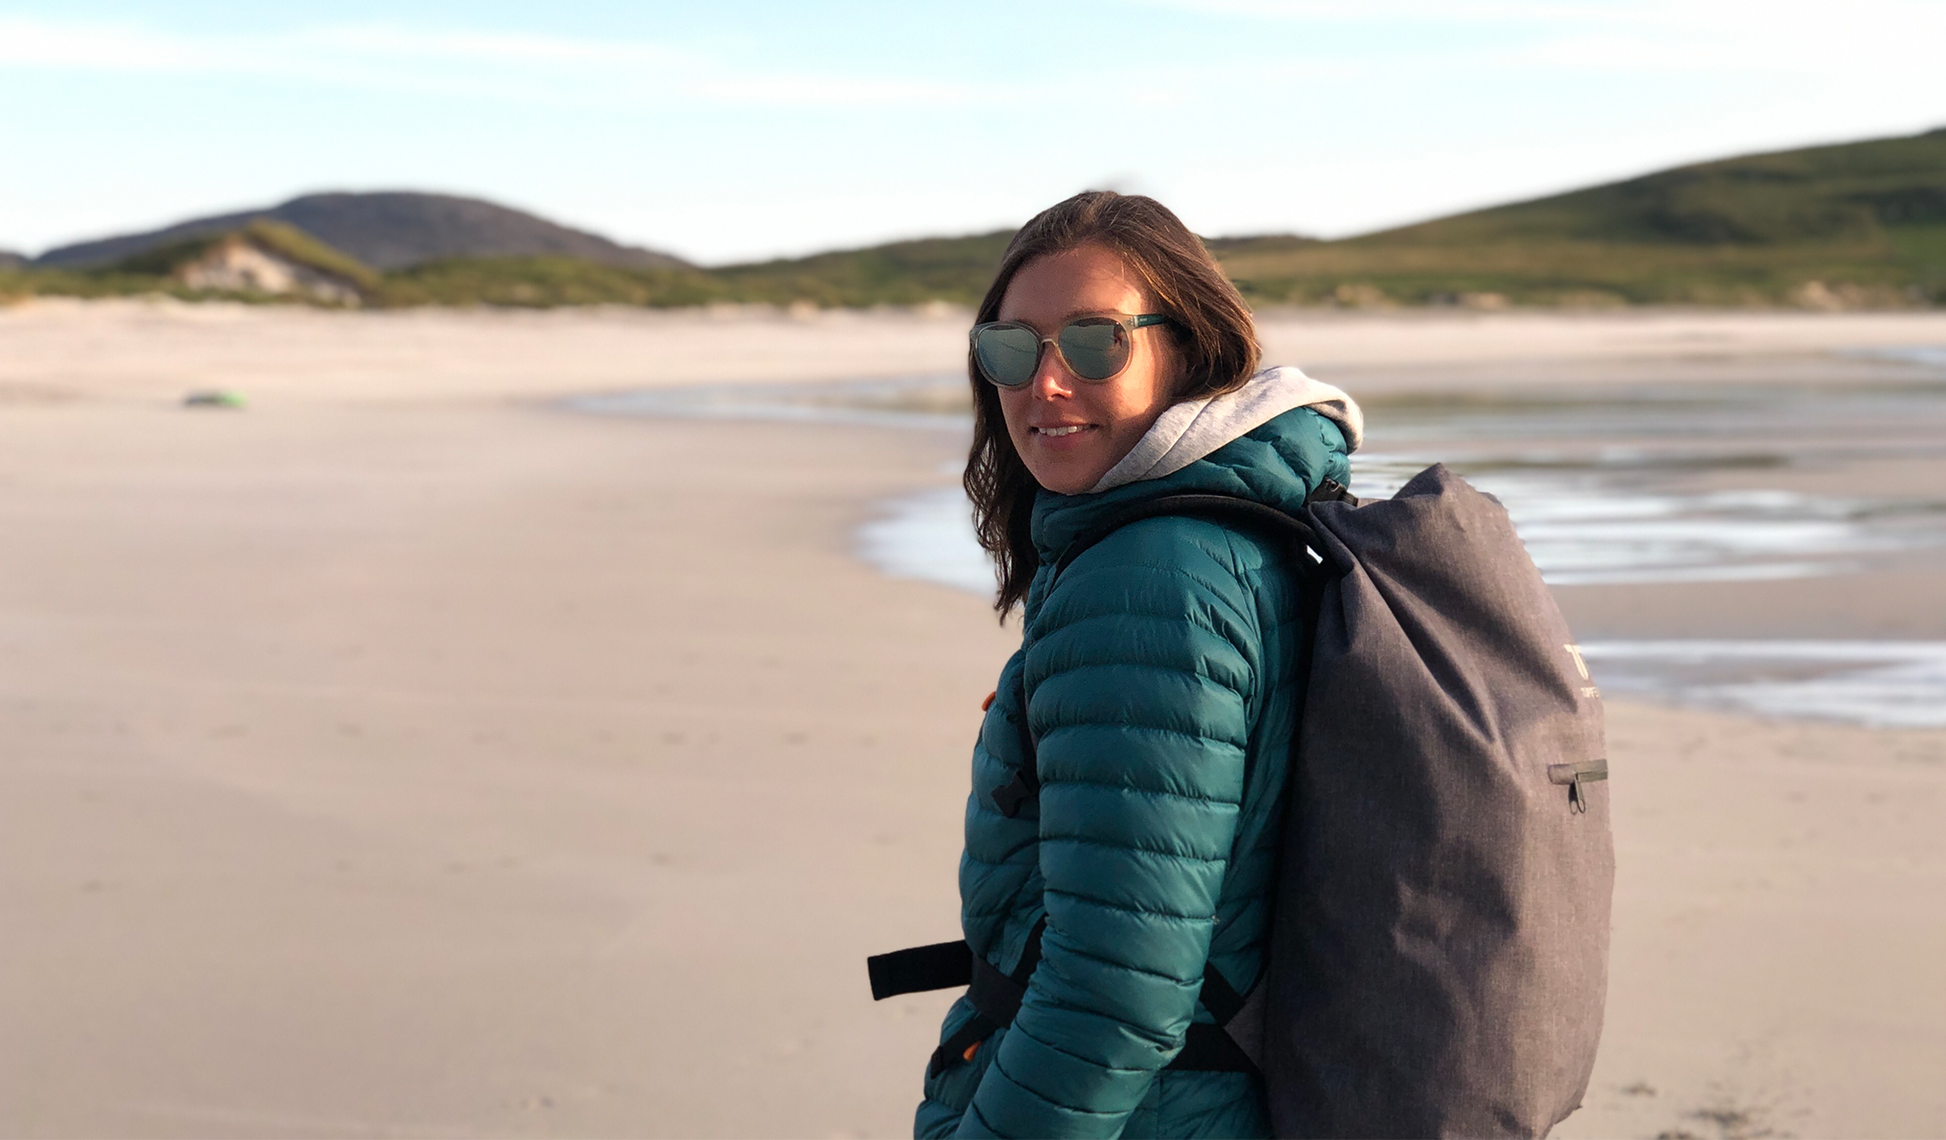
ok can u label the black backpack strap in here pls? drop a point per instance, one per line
(1209, 1048)
(1026, 782)
(960, 1046)
(996, 999)
(1228, 508)
(940, 966)
(1219, 996)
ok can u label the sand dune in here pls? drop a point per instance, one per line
(403, 756)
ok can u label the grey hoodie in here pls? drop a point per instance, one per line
(1193, 429)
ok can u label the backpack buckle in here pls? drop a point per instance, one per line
(1331, 491)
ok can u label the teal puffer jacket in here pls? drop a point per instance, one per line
(1159, 672)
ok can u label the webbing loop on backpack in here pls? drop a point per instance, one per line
(1575, 775)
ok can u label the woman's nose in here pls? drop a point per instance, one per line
(1051, 379)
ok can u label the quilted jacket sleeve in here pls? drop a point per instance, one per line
(1142, 681)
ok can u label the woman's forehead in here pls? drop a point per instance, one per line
(1051, 289)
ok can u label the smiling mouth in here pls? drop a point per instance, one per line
(1057, 432)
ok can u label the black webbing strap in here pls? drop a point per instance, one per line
(1219, 996)
(996, 999)
(994, 994)
(940, 966)
(1209, 1048)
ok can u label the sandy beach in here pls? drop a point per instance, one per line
(406, 755)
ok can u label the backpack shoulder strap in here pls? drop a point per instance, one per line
(1225, 508)
(1026, 783)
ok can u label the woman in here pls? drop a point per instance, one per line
(1112, 363)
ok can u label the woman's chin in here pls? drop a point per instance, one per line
(1067, 477)
(1071, 464)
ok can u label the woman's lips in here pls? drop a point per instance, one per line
(1061, 431)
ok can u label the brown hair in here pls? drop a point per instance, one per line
(1214, 339)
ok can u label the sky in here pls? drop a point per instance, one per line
(736, 130)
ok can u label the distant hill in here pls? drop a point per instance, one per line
(957, 269)
(1855, 224)
(10, 259)
(1862, 221)
(392, 230)
(1852, 225)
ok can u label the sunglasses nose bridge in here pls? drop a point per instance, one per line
(1052, 372)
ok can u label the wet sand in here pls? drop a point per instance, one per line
(403, 756)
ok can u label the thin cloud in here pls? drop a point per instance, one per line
(1376, 11)
(464, 62)
(492, 47)
(1746, 15)
(1865, 40)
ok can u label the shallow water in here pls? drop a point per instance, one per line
(1632, 486)
(1605, 488)
(1599, 523)
(1885, 684)
(932, 401)
(929, 536)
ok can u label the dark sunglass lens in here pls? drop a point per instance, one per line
(1095, 347)
(1007, 354)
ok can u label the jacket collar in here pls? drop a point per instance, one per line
(1271, 441)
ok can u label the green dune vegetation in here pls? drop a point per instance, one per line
(287, 262)
(1849, 225)
(902, 273)
(1855, 225)
(285, 241)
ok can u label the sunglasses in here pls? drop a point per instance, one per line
(1094, 348)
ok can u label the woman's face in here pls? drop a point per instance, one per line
(1070, 431)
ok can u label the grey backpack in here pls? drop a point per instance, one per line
(1439, 955)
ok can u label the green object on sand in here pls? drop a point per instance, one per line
(213, 398)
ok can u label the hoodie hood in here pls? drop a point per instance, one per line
(1193, 429)
(1271, 441)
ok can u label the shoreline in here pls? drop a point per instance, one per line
(146, 351)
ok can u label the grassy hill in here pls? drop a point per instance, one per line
(1857, 224)
(286, 241)
(901, 273)
(1866, 221)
